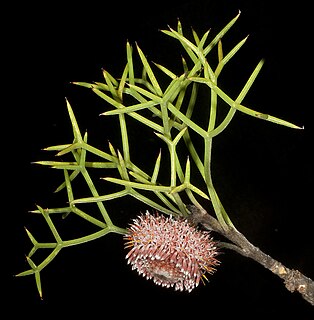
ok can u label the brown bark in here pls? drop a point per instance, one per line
(293, 279)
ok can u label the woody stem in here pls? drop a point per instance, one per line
(294, 280)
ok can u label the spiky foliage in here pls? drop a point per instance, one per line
(139, 96)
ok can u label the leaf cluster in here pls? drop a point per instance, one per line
(169, 114)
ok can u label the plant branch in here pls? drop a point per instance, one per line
(294, 280)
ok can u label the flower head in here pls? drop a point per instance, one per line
(170, 251)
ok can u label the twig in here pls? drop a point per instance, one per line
(294, 280)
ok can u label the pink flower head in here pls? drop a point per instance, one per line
(170, 251)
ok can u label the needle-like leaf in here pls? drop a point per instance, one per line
(173, 115)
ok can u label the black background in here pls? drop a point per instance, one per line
(263, 172)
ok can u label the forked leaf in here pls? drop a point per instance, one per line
(109, 78)
(185, 46)
(31, 237)
(224, 60)
(196, 37)
(203, 40)
(242, 108)
(112, 84)
(221, 34)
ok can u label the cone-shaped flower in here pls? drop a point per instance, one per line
(170, 251)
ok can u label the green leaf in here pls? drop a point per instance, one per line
(108, 99)
(219, 36)
(150, 72)
(137, 185)
(50, 224)
(250, 82)
(146, 93)
(185, 45)
(166, 71)
(107, 197)
(76, 130)
(203, 40)
(38, 284)
(191, 124)
(242, 108)
(112, 84)
(133, 108)
(83, 84)
(226, 59)
(123, 82)
(156, 169)
(129, 51)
